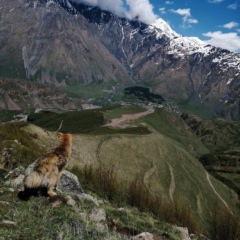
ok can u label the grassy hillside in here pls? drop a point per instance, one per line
(223, 139)
(164, 161)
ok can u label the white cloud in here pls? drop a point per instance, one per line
(233, 6)
(169, 2)
(182, 12)
(231, 25)
(186, 16)
(215, 1)
(162, 10)
(230, 41)
(142, 9)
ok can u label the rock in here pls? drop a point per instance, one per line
(17, 181)
(69, 184)
(4, 203)
(198, 237)
(88, 197)
(98, 216)
(30, 168)
(183, 232)
(15, 177)
(8, 222)
(15, 172)
(123, 210)
(70, 201)
(143, 236)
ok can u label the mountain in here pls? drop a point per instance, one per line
(96, 54)
(17, 94)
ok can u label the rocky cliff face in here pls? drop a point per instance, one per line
(62, 43)
(16, 94)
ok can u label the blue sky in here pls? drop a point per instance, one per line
(217, 22)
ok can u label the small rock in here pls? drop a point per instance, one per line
(4, 203)
(88, 197)
(70, 201)
(17, 181)
(123, 210)
(183, 232)
(98, 215)
(7, 222)
(143, 236)
(15, 177)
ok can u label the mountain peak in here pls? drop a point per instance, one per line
(162, 25)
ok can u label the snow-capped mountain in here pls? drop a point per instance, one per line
(63, 43)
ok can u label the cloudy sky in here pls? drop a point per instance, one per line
(216, 22)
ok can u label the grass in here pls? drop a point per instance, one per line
(105, 183)
(172, 126)
(8, 115)
(118, 111)
(194, 106)
(223, 225)
(37, 219)
(87, 122)
(164, 162)
(224, 166)
(25, 149)
(91, 91)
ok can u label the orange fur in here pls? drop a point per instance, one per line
(49, 167)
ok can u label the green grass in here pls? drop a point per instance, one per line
(194, 106)
(93, 90)
(37, 219)
(172, 126)
(25, 149)
(8, 115)
(164, 161)
(87, 122)
(118, 111)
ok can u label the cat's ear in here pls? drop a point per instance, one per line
(69, 136)
(59, 134)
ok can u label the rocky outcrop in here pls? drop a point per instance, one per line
(16, 94)
(69, 184)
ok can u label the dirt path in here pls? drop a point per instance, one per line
(126, 118)
(148, 175)
(208, 178)
(172, 184)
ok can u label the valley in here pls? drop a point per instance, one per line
(164, 158)
(94, 56)
(154, 117)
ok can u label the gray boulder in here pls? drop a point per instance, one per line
(69, 184)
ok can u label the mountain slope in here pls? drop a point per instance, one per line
(165, 161)
(64, 44)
